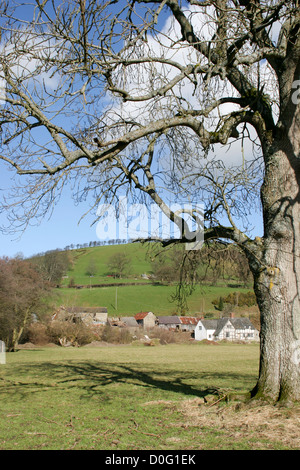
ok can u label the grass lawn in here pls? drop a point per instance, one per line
(131, 397)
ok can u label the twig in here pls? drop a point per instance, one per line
(70, 424)
(224, 396)
(147, 433)
(107, 432)
(136, 424)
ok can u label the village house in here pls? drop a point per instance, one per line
(205, 329)
(146, 320)
(231, 329)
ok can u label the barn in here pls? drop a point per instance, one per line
(171, 322)
(146, 319)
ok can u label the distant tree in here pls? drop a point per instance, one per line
(235, 299)
(241, 267)
(72, 282)
(53, 265)
(163, 269)
(91, 269)
(22, 293)
(118, 264)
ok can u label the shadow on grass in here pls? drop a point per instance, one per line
(92, 379)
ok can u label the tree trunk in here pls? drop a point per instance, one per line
(18, 331)
(277, 282)
(280, 345)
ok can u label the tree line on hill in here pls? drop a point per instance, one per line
(94, 243)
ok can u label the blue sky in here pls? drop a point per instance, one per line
(58, 231)
(62, 229)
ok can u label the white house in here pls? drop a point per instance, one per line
(205, 329)
(231, 329)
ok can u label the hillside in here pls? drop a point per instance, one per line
(133, 292)
(81, 260)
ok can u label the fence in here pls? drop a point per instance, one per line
(2, 353)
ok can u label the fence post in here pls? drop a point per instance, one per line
(2, 353)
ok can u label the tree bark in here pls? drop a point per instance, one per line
(277, 281)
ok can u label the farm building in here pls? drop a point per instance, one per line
(169, 322)
(130, 322)
(146, 319)
(114, 321)
(188, 323)
(123, 322)
(88, 315)
(231, 329)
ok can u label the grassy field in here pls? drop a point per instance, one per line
(129, 300)
(136, 397)
(100, 255)
(140, 256)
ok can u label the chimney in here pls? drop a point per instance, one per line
(231, 315)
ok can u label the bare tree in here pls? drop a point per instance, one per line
(143, 97)
(23, 293)
(53, 265)
(91, 269)
(118, 264)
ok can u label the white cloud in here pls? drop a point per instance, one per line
(28, 56)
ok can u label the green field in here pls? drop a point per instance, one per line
(81, 258)
(134, 397)
(131, 299)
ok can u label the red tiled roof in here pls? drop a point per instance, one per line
(189, 320)
(141, 315)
